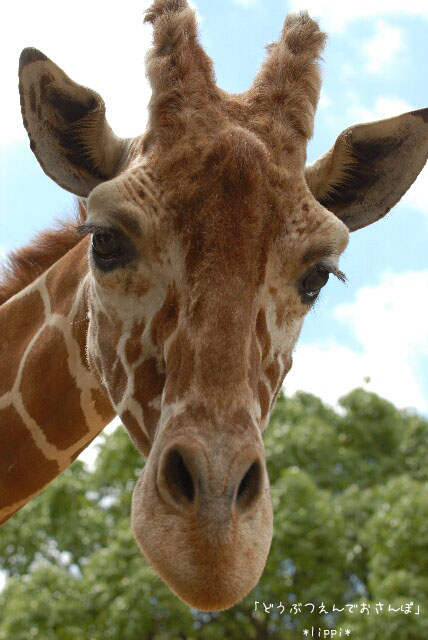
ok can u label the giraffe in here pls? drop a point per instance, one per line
(176, 296)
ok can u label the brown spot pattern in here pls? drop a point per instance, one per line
(63, 282)
(287, 361)
(180, 365)
(149, 384)
(263, 258)
(117, 381)
(242, 422)
(23, 468)
(273, 372)
(133, 347)
(148, 381)
(151, 419)
(254, 369)
(49, 392)
(263, 333)
(136, 286)
(102, 405)
(280, 312)
(264, 398)
(19, 322)
(137, 436)
(109, 334)
(166, 319)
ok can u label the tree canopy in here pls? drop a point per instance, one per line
(350, 546)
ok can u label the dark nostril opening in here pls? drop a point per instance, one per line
(178, 477)
(249, 487)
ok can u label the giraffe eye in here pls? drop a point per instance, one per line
(313, 283)
(104, 244)
(111, 248)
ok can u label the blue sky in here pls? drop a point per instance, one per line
(375, 66)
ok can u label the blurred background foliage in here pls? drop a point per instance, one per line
(350, 495)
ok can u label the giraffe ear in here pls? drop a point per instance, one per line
(66, 124)
(370, 168)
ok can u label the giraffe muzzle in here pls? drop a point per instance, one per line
(202, 516)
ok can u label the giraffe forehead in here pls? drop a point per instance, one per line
(222, 186)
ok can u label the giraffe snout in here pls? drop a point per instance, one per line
(202, 516)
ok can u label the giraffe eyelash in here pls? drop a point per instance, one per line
(324, 265)
(337, 273)
(85, 229)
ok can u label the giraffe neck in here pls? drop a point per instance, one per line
(51, 405)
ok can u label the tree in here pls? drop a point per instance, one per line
(349, 489)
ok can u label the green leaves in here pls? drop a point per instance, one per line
(349, 490)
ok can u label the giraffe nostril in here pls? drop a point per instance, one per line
(178, 478)
(250, 487)
(235, 486)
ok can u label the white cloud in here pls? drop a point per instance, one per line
(390, 324)
(391, 317)
(96, 44)
(384, 107)
(336, 15)
(381, 50)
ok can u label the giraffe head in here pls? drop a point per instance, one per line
(210, 243)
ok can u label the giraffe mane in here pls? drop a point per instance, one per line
(21, 267)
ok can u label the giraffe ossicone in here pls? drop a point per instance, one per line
(201, 246)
